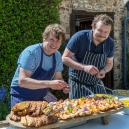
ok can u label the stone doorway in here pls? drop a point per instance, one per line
(80, 20)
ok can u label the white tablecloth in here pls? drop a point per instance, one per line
(117, 121)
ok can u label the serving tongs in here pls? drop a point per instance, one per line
(105, 88)
(49, 110)
(112, 92)
(88, 90)
(52, 113)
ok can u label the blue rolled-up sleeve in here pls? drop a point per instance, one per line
(27, 60)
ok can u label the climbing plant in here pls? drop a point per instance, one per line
(21, 24)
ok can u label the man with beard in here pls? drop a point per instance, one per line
(89, 56)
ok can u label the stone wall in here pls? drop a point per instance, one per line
(116, 6)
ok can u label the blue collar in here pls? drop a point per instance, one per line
(90, 36)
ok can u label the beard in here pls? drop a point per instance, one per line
(99, 39)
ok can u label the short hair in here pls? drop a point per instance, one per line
(104, 18)
(55, 29)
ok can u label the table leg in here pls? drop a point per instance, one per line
(105, 119)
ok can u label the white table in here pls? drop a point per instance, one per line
(117, 121)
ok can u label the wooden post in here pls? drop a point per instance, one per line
(105, 119)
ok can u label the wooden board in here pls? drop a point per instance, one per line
(60, 123)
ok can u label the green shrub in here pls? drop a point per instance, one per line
(22, 23)
(4, 102)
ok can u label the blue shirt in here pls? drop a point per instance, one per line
(79, 44)
(30, 58)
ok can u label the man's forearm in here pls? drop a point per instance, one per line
(108, 67)
(73, 64)
(34, 84)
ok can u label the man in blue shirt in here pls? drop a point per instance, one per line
(40, 68)
(89, 54)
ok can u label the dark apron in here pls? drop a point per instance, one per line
(19, 94)
(84, 79)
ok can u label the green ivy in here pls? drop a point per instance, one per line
(21, 24)
(4, 111)
(5, 104)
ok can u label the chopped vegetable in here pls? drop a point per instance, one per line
(85, 109)
(70, 109)
(83, 98)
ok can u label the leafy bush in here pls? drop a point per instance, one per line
(4, 102)
(22, 23)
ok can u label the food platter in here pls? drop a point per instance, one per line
(105, 117)
(41, 114)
